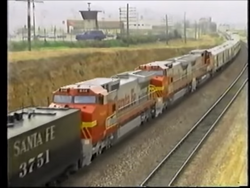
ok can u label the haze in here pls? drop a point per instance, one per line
(54, 12)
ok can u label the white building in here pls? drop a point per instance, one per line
(146, 24)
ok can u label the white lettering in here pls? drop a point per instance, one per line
(23, 147)
(16, 148)
(34, 140)
(40, 160)
(34, 163)
(39, 140)
(23, 168)
(50, 131)
(31, 164)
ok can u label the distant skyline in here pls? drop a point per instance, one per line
(55, 12)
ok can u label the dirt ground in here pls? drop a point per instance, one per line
(222, 160)
(128, 163)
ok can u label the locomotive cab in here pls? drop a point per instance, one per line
(162, 76)
(89, 102)
(91, 99)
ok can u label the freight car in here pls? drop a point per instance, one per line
(222, 54)
(109, 108)
(42, 143)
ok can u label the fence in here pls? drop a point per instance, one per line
(44, 34)
(51, 38)
(54, 34)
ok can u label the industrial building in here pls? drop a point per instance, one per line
(207, 26)
(76, 26)
(113, 27)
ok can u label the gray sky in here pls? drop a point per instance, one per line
(54, 12)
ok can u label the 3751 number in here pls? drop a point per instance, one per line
(34, 162)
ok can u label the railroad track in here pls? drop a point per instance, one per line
(169, 169)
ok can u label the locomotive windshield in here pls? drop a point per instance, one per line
(85, 99)
(75, 99)
(63, 99)
(157, 72)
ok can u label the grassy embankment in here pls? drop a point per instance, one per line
(34, 75)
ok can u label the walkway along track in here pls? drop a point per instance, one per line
(168, 170)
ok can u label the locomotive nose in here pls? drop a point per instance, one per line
(87, 113)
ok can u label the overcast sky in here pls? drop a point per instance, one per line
(54, 12)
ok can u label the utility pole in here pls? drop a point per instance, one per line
(29, 18)
(137, 22)
(128, 22)
(121, 23)
(200, 29)
(127, 14)
(184, 32)
(89, 6)
(29, 25)
(195, 30)
(34, 20)
(166, 29)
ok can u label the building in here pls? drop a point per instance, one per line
(115, 26)
(207, 26)
(109, 27)
(162, 28)
(224, 27)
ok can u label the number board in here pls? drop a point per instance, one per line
(34, 163)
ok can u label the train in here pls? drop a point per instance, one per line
(86, 118)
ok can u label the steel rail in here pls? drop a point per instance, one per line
(167, 171)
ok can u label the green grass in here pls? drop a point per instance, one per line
(15, 46)
(23, 45)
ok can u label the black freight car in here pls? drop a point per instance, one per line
(42, 144)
